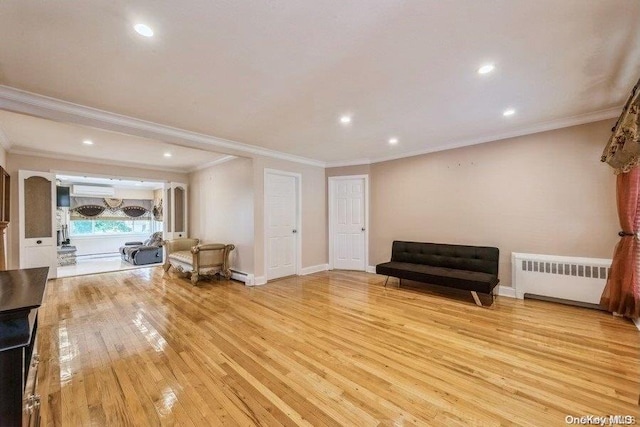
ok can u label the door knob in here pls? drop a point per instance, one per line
(362, 228)
(38, 241)
(294, 231)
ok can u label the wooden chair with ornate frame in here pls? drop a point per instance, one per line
(190, 258)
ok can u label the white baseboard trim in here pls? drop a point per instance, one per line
(371, 269)
(261, 280)
(241, 276)
(637, 322)
(314, 269)
(506, 291)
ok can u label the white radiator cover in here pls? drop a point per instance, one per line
(569, 278)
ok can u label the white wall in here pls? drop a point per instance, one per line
(546, 193)
(221, 209)
(227, 204)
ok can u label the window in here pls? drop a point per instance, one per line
(102, 227)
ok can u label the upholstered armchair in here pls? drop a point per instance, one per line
(142, 253)
(189, 257)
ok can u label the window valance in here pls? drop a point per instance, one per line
(114, 209)
(622, 152)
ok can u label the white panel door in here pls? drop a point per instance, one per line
(281, 225)
(349, 224)
(37, 207)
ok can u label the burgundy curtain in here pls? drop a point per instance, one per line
(622, 294)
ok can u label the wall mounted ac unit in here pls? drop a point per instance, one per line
(93, 191)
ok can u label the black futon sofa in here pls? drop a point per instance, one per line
(470, 268)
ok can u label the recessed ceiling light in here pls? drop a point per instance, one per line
(345, 120)
(167, 154)
(143, 30)
(87, 142)
(486, 69)
(509, 112)
(393, 141)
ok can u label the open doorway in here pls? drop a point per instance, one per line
(107, 224)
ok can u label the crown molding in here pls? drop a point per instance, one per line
(564, 122)
(85, 159)
(51, 108)
(357, 162)
(20, 101)
(213, 163)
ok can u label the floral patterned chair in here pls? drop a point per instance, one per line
(189, 258)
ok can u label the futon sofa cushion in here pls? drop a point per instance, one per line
(469, 268)
(459, 279)
(460, 257)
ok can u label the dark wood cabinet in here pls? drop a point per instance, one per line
(21, 293)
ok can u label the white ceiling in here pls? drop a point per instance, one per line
(33, 135)
(278, 74)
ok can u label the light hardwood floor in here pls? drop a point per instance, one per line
(141, 348)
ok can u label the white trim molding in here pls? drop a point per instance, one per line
(260, 280)
(356, 162)
(331, 184)
(16, 100)
(24, 102)
(371, 269)
(314, 269)
(215, 162)
(506, 291)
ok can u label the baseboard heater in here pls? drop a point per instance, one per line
(572, 280)
(241, 276)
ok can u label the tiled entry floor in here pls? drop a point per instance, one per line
(98, 264)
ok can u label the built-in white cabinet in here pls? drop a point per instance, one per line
(37, 223)
(176, 208)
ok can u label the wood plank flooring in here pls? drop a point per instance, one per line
(336, 348)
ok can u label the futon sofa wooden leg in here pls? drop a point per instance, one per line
(385, 282)
(474, 294)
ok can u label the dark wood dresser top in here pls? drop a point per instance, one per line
(21, 290)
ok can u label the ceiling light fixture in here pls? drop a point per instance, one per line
(509, 112)
(87, 142)
(143, 30)
(345, 120)
(167, 154)
(486, 69)
(393, 141)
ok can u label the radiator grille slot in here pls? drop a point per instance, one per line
(579, 270)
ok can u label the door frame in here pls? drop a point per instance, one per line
(332, 184)
(298, 249)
